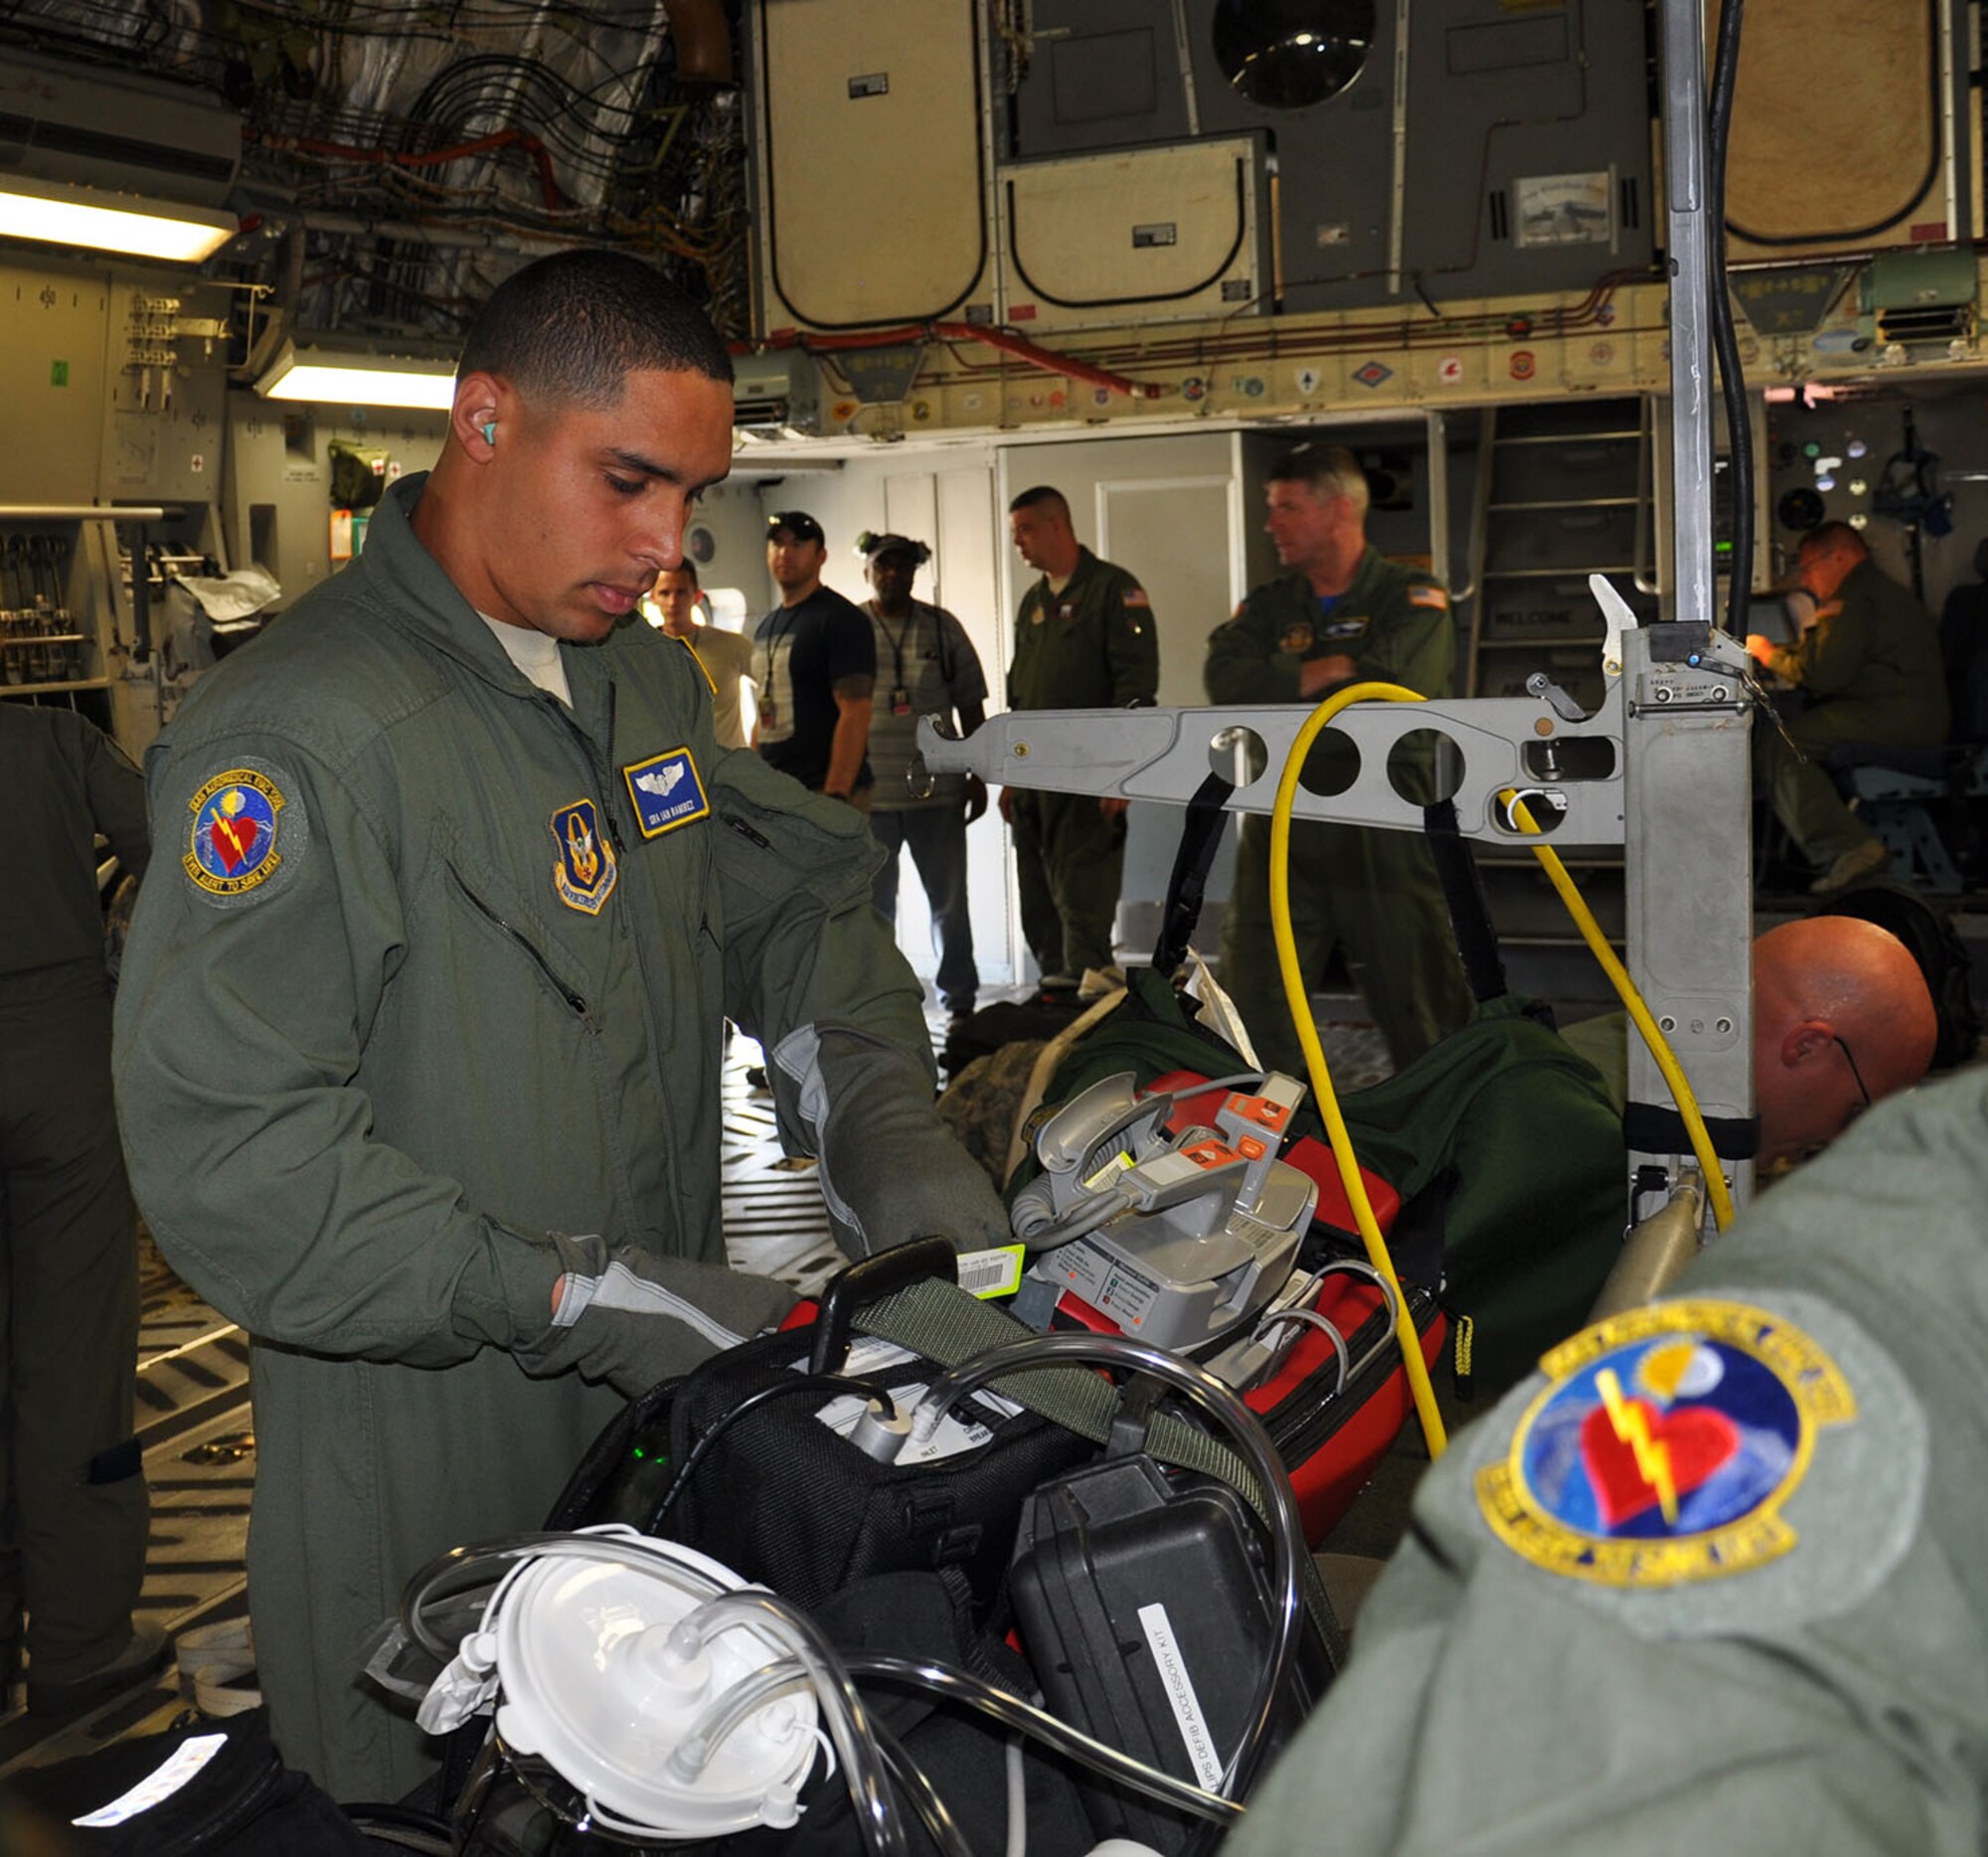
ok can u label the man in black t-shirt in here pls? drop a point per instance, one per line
(814, 661)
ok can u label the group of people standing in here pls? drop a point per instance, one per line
(840, 689)
(418, 1026)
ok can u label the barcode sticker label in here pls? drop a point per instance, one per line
(1172, 1668)
(988, 1273)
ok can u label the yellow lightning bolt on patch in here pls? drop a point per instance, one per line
(1653, 1460)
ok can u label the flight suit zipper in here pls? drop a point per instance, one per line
(576, 1001)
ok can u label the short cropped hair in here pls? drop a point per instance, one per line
(1827, 537)
(1042, 496)
(572, 327)
(1331, 470)
(685, 566)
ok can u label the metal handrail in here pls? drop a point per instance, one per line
(1480, 526)
(1641, 549)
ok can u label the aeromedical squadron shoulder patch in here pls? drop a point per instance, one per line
(236, 824)
(1665, 1445)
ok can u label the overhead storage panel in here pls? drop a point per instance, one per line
(1505, 150)
(1851, 129)
(1528, 164)
(1138, 234)
(870, 184)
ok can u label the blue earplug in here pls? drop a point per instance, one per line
(490, 432)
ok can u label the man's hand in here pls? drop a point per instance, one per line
(976, 797)
(1007, 804)
(1760, 648)
(1111, 807)
(891, 1170)
(621, 1315)
(1318, 675)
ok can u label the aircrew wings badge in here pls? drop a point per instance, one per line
(585, 871)
(666, 791)
(1665, 1445)
(237, 824)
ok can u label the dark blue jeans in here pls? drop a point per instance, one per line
(937, 838)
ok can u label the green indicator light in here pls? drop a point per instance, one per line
(1811, 451)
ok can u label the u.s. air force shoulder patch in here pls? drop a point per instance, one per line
(583, 871)
(1682, 1445)
(247, 837)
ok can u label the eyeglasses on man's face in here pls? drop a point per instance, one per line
(1850, 1057)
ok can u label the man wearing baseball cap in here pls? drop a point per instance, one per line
(927, 666)
(815, 665)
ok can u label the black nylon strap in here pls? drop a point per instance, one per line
(1657, 1128)
(1201, 837)
(1463, 895)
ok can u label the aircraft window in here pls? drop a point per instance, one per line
(1291, 54)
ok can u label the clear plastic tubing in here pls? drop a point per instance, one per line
(727, 1710)
(847, 1720)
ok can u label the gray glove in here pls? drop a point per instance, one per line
(891, 1170)
(632, 1320)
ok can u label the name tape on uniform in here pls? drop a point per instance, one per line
(666, 791)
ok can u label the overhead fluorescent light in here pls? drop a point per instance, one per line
(53, 213)
(351, 379)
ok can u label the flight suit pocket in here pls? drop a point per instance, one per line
(812, 846)
(505, 923)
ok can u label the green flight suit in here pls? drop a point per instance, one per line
(1873, 672)
(1376, 892)
(76, 1511)
(1091, 646)
(469, 990)
(1830, 1699)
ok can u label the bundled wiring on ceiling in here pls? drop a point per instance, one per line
(502, 118)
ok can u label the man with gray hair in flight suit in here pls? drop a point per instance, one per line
(418, 1052)
(1343, 615)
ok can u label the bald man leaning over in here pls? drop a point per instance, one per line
(1841, 1018)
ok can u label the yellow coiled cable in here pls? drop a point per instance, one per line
(1299, 1000)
